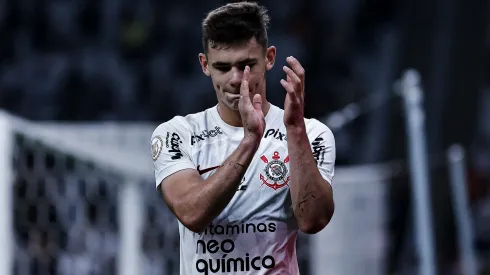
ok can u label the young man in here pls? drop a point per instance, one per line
(244, 176)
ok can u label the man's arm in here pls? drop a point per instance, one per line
(311, 194)
(196, 202)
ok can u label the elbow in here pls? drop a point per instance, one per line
(317, 225)
(194, 223)
(313, 227)
(196, 228)
(194, 220)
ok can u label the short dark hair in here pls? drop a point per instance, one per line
(234, 24)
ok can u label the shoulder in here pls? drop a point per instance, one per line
(177, 123)
(182, 124)
(316, 127)
(319, 133)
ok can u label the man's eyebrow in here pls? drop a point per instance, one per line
(244, 61)
(220, 64)
(247, 60)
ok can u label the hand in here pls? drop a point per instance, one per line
(295, 97)
(251, 112)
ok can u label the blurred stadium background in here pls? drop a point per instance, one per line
(84, 83)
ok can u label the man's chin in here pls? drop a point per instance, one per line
(230, 104)
(231, 101)
(234, 105)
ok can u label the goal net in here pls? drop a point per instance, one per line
(79, 199)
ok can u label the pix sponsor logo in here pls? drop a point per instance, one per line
(195, 138)
(173, 142)
(318, 150)
(221, 263)
(275, 134)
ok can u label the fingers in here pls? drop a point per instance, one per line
(293, 82)
(291, 75)
(296, 66)
(295, 77)
(257, 102)
(289, 87)
(244, 88)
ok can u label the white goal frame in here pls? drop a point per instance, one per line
(118, 147)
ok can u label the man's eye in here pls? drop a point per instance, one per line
(223, 69)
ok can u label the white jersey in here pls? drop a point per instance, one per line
(256, 232)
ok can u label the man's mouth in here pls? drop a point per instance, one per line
(234, 92)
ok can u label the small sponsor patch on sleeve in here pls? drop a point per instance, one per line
(156, 147)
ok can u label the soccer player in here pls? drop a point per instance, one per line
(244, 176)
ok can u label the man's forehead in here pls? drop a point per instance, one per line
(235, 53)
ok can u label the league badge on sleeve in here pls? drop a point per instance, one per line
(276, 172)
(156, 147)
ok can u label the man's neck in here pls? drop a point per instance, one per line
(233, 118)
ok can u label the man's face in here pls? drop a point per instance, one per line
(226, 66)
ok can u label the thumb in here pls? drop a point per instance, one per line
(257, 102)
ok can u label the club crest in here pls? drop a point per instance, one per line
(276, 171)
(156, 147)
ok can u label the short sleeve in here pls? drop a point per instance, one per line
(170, 149)
(323, 147)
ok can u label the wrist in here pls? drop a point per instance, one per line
(293, 130)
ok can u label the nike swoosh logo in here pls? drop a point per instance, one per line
(204, 171)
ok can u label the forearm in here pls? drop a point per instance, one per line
(311, 196)
(207, 200)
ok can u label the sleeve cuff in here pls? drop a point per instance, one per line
(171, 170)
(328, 178)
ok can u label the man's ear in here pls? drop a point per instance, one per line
(270, 56)
(204, 64)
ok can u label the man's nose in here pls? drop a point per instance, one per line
(237, 76)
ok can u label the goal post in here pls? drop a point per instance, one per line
(6, 181)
